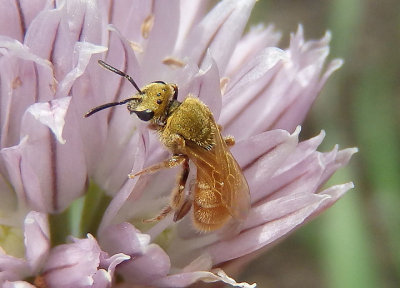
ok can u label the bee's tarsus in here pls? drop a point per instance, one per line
(163, 213)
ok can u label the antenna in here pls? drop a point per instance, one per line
(115, 70)
(107, 105)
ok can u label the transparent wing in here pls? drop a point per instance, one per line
(218, 168)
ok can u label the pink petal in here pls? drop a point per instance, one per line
(11, 23)
(148, 261)
(280, 97)
(128, 17)
(108, 132)
(77, 22)
(186, 279)
(265, 234)
(37, 240)
(303, 150)
(190, 13)
(11, 268)
(52, 115)
(247, 104)
(48, 166)
(84, 52)
(276, 209)
(31, 9)
(25, 79)
(206, 86)
(251, 45)
(335, 192)
(103, 277)
(144, 269)
(120, 199)
(309, 60)
(15, 48)
(19, 174)
(303, 178)
(18, 284)
(342, 158)
(219, 31)
(112, 262)
(161, 41)
(308, 175)
(259, 171)
(250, 150)
(72, 265)
(124, 238)
(42, 32)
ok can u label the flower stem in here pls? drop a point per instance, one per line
(59, 227)
(94, 205)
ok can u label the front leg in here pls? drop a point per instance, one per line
(174, 161)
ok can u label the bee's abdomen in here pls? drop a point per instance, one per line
(209, 213)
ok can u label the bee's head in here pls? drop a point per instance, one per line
(149, 104)
(153, 101)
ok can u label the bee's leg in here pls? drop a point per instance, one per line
(183, 210)
(163, 213)
(177, 196)
(229, 140)
(179, 202)
(174, 161)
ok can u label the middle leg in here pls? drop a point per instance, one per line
(178, 200)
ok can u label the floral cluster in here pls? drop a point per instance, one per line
(69, 215)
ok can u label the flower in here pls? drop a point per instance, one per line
(59, 168)
(79, 264)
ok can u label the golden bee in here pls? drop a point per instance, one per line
(189, 131)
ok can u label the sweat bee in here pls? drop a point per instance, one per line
(189, 131)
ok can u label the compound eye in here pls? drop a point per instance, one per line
(145, 115)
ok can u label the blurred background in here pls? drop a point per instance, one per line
(356, 243)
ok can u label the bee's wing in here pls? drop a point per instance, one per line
(220, 170)
(235, 191)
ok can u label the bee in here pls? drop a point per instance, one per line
(189, 131)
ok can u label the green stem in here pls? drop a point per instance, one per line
(95, 203)
(59, 227)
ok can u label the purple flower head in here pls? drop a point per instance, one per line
(63, 175)
(78, 264)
